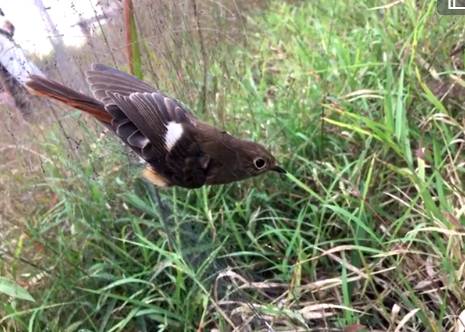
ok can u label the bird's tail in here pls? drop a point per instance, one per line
(44, 87)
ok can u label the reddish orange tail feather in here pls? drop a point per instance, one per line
(44, 87)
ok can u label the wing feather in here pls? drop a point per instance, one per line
(142, 116)
(103, 79)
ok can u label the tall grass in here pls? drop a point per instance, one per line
(366, 231)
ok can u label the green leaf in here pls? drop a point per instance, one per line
(132, 41)
(10, 288)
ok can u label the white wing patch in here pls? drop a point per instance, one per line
(174, 132)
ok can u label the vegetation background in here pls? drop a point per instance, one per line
(362, 102)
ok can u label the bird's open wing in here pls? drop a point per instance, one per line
(154, 125)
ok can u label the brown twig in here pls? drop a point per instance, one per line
(128, 14)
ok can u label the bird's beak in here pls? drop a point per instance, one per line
(279, 169)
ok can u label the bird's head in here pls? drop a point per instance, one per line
(256, 159)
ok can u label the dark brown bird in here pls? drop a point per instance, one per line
(179, 149)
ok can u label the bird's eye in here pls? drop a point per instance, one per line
(259, 163)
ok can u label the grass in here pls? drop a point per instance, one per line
(365, 232)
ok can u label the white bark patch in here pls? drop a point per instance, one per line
(174, 132)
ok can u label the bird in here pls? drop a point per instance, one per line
(178, 149)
